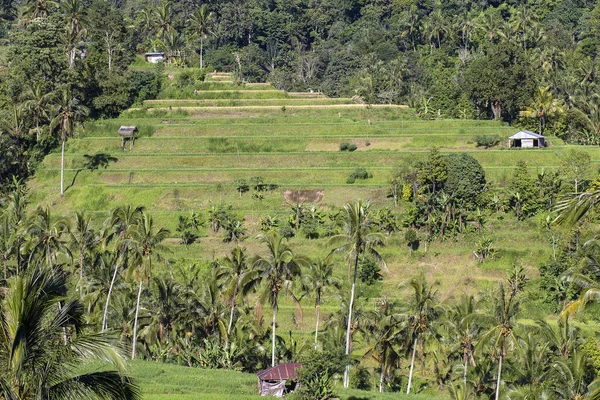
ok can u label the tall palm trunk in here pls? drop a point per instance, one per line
(110, 288)
(381, 381)
(135, 321)
(465, 371)
(499, 375)
(317, 312)
(201, 46)
(412, 366)
(347, 371)
(233, 298)
(273, 331)
(62, 167)
(81, 258)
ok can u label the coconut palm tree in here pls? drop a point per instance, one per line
(423, 311)
(384, 332)
(35, 364)
(68, 113)
(83, 238)
(46, 237)
(318, 280)
(502, 319)
(277, 270)
(147, 240)
(124, 221)
(38, 103)
(239, 279)
(199, 22)
(543, 105)
(355, 244)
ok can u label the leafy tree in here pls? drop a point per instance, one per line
(199, 24)
(465, 178)
(576, 164)
(433, 173)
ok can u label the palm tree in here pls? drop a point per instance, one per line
(68, 113)
(38, 103)
(277, 271)
(199, 21)
(356, 243)
(124, 220)
(240, 279)
(35, 364)
(145, 18)
(423, 310)
(46, 237)
(147, 240)
(436, 25)
(505, 306)
(543, 105)
(38, 8)
(318, 280)
(83, 238)
(385, 330)
(163, 15)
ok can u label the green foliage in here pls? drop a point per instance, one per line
(487, 141)
(369, 272)
(465, 179)
(524, 198)
(359, 173)
(318, 368)
(347, 146)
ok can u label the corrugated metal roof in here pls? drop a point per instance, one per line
(127, 130)
(526, 135)
(279, 372)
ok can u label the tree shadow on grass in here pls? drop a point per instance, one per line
(92, 163)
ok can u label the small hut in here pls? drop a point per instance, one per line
(127, 133)
(154, 58)
(526, 139)
(273, 381)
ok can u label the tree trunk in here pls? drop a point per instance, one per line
(317, 312)
(110, 288)
(201, 45)
(137, 310)
(381, 381)
(498, 380)
(347, 371)
(62, 166)
(465, 372)
(273, 332)
(81, 257)
(231, 313)
(496, 109)
(412, 366)
(5, 269)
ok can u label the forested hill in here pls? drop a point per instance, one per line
(531, 63)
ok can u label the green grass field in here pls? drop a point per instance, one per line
(171, 382)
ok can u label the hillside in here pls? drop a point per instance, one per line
(189, 158)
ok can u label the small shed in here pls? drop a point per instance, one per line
(273, 381)
(526, 139)
(127, 133)
(155, 58)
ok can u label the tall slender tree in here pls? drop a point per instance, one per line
(199, 23)
(277, 270)
(69, 112)
(358, 241)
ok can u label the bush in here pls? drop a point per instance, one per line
(347, 146)
(362, 379)
(369, 272)
(412, 238)
(359, 173)
(318, 367)
(487, 141)
(286, 231)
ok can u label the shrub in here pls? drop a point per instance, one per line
(487, 141)
(347, 146)
(369, 272)
(412, 238)
(286, 231)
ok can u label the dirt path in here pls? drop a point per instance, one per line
(277, 107)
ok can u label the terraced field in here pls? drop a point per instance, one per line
(193, 147)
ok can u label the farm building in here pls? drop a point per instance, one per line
(127, 133)
(526, 139)
(273, 381)
(155, 58)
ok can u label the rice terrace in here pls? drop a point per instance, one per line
(308, 199)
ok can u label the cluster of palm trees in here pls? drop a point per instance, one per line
(211, 316)
(160, 30)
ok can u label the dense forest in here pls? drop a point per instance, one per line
(85, 287)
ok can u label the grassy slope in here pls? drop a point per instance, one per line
(187, 161)
(171, 382)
